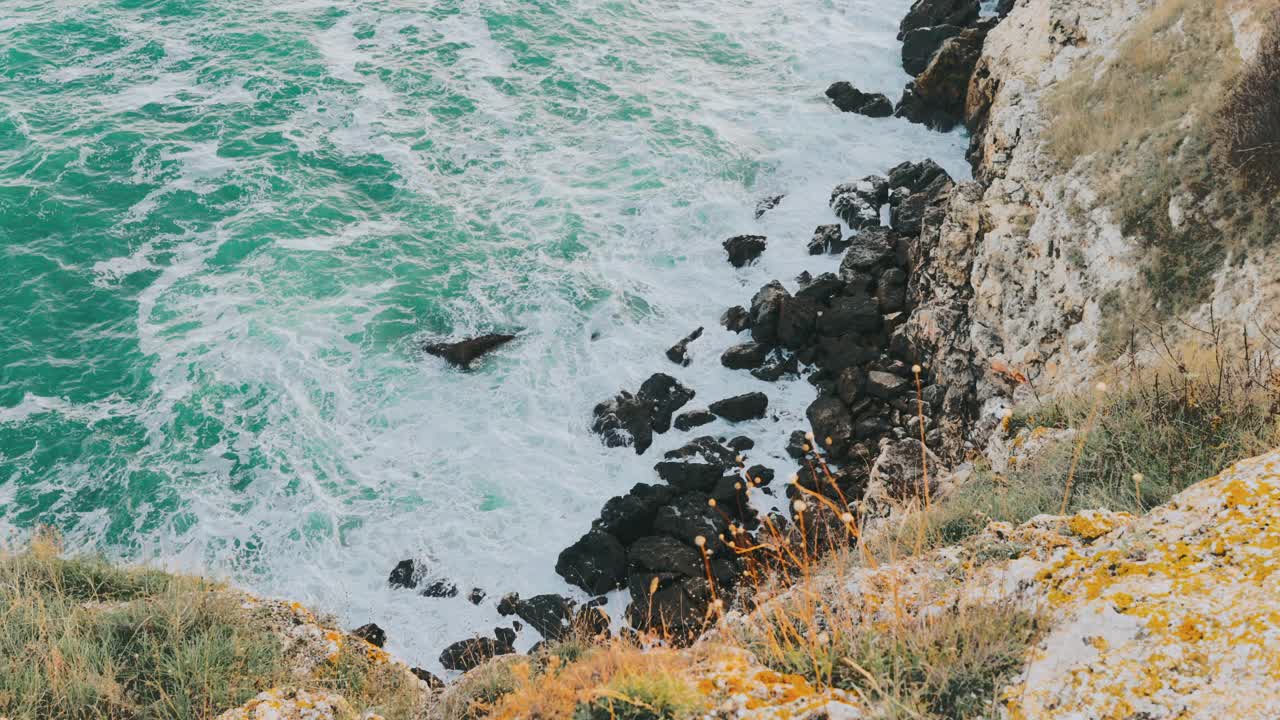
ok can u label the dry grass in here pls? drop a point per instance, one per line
(1146, 125)
(1248, 130)
(83, 639)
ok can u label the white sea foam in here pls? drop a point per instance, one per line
(365, 452)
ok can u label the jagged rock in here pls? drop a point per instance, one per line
(844, 351)
(428, 677)
(475, 596)
(505, 635)
(760, 475)
(855, 314)
(744, 249)
(766, 306)
(678, 605)
(689, 476)
(630, 516)
(469, 654)
(796, 444)
(858, 203)
(929, 13)
(439, 589)
(464, 352)
(739, 408)
(679, 353)
(796, 321)
(773, 370)
(867, 250)
(850, 385)
(937, 96)
(689, 517)
(405, 575)
(915, 177)
(850, 99)
(597, 562)
(745, 356)
(665, 395)
(826, 239)
(371, 634)
(885, 386)
(665, 554)
(891, 290)
(736, 319)
(822, 288)
(831, 420)
(919, 45)
(768, 203)
(907, 215)
(550, 614)
(901, 468)
(689, 420)
(507, 604)
(707, 448)
(624, 421)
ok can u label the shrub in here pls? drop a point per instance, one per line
(1248, 127)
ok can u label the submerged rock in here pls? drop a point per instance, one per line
(624, 421)
(679, 353)
(744, 249)
(768, 203)
(848, 98)
(464, 352)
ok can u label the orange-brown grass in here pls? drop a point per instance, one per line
(613, 680)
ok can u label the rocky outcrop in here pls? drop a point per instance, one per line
(463, 352)
(850, 99)
(631, 420)
(744, 249)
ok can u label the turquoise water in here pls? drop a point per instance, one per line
(226, 226)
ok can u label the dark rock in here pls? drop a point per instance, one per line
(630, 516)
(891, 290)
(507, 605)
(919, 45)
(744, 249)
(867, 250)
(937, 96)
(427, 677)
(678, 605)
(796, 321)
(689, 476)
(773, 370)
(464, 352)
(692, 419)
(660, 553)
(856, 314)
(736, 319)
(766, 306)
(768, 203)
(746, 356)
(739, 408)
(885, 386)
(689, 517)
(371, 634)
(916, 176)
(831, 421)
(665, 395)
(592, 620)
(796, 444)
(476, 596)
(858, 203)
(550, 614)
(505, 635)
(870, 427)
(624, 421)
(741, 443)
(908, 215)
(1004, 7)
(844, 351)
(439, 589)
(822, 288)
(469, 654)
(930, 13)
(826, 239)
(850, 99)
(404, 575)
(679, 353)
(707, 448)
(901, 470)
(597, 563)
(850, 385)
(760, 475)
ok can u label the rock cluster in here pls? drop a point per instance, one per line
(630, 420)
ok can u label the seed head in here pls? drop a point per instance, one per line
(1139, 477)
(712, 502)
(700, 541)
(916, 369)
(809, 435)
(1102, 387)
(799, 506)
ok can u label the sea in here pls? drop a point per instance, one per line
(228, 226)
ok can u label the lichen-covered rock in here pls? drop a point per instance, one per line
(294, 704)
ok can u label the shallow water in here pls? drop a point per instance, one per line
(225, 230)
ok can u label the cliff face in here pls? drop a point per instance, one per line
(1037, 270)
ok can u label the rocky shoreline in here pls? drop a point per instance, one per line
(854, 335)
